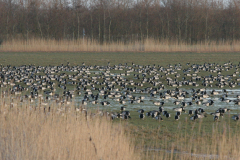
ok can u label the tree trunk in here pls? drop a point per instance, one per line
(168, 26)
(91, 27)
(206, 28)
(99, 29)
(104, 25)
(78, 27)
(147, 23)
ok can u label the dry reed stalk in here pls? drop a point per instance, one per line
(26, 132)
(86, 45)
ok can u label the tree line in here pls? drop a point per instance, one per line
(187, 21)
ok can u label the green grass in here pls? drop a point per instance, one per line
(101, 58)
(156, 133)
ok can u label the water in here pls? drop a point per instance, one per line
(169, 103)
(200, 156)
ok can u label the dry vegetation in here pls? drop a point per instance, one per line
(148, 45)
(27, 132)
(221, 143)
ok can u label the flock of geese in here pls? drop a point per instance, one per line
(127, 85)
(159, 114)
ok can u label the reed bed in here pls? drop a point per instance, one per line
(86, 45)
(27, 132)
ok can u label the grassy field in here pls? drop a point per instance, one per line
(157, 140)
(154, 131)
(102, 58)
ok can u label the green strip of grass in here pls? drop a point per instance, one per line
(43, 58)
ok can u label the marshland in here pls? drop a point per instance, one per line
(99, 79)
(78, 100)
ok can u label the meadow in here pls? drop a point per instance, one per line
(141, 139)
(115, 58)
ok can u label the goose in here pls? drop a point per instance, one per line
(140, 111)
(104, 103)
(141, 116)
(141, 97)
(126, 113)
(180, 109)
(117, 99)
(168, 115)
(137, 101)
(126, 117)
(190, 112)
(176, 102)
(94, 102)
(206, 104)
(161, 109)
(178, 113)
(237, 102)
(200, 110)
(154, 114)
(193, 118)
(226, 110)
(214, 92)
(177, 117)
(84, 102)
(161, 103)
(158, 117)
(216, 114)
(223, 110)
(201, 115)
(224, 90)
(224, 100)
(184, 104)
(148, 113)
(198, 102)
(113, 116)
(122, 102)
(235, 117)
(122, 108)
(157, 103)
(164, 113)
(211, 102)
(215, 118)
(227, 100)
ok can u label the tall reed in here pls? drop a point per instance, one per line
(28, 131)
(86, 45)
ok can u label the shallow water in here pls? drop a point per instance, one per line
(200, 156)
(148, 105)
(148, 102)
